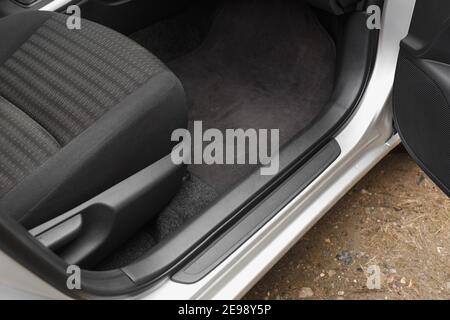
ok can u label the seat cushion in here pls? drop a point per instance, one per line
(82, 110)
(24, 145)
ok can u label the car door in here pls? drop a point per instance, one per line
(421, 95)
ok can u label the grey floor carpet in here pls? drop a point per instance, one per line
(177, 36)
(262, 65)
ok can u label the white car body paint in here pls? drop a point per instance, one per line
(364, 141)
(17, 282)
(55, 5)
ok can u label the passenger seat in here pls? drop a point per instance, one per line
(80, 111)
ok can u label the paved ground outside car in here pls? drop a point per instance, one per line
(396, 219)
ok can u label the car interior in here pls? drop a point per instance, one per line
(87, 115)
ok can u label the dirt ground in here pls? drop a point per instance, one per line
(395, 219)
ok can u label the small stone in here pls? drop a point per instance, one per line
(403, 280)
(345, 257)
(327, 240)
(392, 271)
(341, 293)
(420, 179)
(390, 279)
(322, 275)
(364, 191)
(331, 273)
(305, 293)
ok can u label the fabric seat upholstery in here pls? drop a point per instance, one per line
(80, 111)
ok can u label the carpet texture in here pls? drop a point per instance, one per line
(263, 65)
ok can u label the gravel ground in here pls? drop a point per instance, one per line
(395, 221)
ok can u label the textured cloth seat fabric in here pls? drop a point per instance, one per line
(80, 110)
(24, 145)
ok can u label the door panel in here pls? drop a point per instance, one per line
(422, 90)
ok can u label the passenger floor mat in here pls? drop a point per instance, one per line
(263, 65)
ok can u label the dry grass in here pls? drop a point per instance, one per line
(395, 218)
